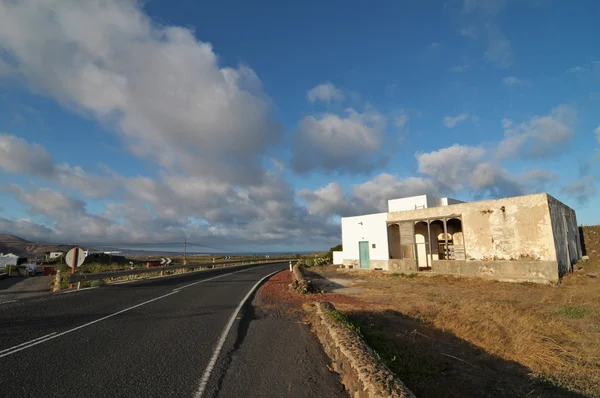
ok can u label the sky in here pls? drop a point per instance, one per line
(256, 128)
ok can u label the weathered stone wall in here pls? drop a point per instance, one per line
(507, 271)
(591, 241)
(405, 265)
(516, 228)
(566, 235)
(363, 375)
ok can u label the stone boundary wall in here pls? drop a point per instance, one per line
(506, 271)
(363, 375)
(300, 282)
(590, 241)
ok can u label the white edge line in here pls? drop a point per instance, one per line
(17, 348)
(9, 301)
(219, 347)
(27, 342)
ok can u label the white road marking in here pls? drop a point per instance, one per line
(80, 290)
(9, 301)
(18, 348)
(219, 347)
(27, 342)
(214, 277)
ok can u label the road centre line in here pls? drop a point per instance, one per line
(16, 349)
(9, 301)
(27, 342)
(219, 347)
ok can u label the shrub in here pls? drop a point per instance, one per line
(308, 262)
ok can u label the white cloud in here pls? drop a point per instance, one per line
(469, 32)
(368, 197)
(19, 156)
(499, 51)
(325, 92)
(489, 7)
(539, 137)
(161, 88)
(401, 119)
(452, 121)
(597, 131)
(581, 190)
(450, 166)
(512, 81)
(331, 142)
(460, 68)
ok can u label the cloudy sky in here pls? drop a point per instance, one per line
(256, 128)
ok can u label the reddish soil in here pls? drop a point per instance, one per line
(276, 293)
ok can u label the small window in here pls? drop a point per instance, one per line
(373, 245)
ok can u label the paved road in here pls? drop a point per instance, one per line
(19, 287)
(145, 339)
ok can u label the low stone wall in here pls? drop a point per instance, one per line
(406, 266)
(361, 372)
(590, 237)
(300, 282)
(508, 271)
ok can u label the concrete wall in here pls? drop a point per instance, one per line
(516, 228)
(508, 271)
(373, 229)
(338, 258)
(566, 235)
(405, 265)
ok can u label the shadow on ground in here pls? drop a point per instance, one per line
(434, 363)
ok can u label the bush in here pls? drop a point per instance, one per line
(308, 262)
(97, 283)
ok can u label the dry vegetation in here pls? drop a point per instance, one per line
(469, 337)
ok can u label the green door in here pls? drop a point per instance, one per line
(363, 251)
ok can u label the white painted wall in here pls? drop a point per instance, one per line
(418, 202)
(411, 203)
(373, 230)
(54, 254)
(338, 258)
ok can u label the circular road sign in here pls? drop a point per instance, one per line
(75, 254)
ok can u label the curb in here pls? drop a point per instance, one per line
(361, 372)
(300, 282)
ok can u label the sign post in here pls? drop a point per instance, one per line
(75, 257)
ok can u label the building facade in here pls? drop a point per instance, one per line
(525, 238)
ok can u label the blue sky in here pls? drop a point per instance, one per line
(256, 128)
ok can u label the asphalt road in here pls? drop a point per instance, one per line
(154, 338)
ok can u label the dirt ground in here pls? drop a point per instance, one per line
(455, 337)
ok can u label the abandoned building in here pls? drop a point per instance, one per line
(531, 238)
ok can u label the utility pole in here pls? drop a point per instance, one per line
(184, 250)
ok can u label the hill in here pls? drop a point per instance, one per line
(14, 244)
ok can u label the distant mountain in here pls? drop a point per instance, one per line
(14, 244)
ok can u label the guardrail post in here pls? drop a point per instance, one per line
(57, 281)
(290, 266)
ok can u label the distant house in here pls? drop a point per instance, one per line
(10, 259)
(53, 255)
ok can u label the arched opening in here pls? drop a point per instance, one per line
(436, 227)
(394, 241)
(422, 244)
(456, 242)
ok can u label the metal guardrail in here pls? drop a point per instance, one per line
(74, 278)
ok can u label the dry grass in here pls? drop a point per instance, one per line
(552, 333)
